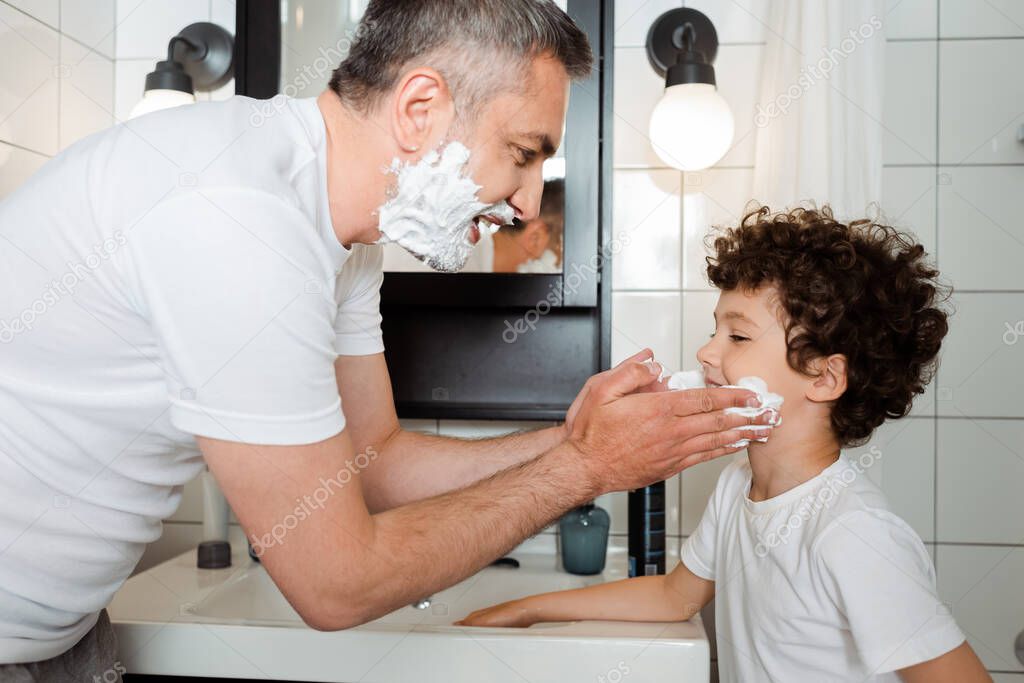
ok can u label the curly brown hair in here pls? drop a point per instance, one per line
(863, 290)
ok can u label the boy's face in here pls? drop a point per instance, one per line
(750, 340)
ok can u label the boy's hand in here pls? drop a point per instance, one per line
(512, 614)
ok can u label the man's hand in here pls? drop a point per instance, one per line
(652, 386)
(629, 432)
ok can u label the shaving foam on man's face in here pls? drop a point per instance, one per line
(434, 211)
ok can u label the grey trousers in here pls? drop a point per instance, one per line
(93, 659)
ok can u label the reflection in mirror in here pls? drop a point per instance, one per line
(315, 37)
(531, 247)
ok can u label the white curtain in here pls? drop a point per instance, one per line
(818, 121)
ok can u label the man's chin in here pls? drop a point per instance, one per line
(441, 264)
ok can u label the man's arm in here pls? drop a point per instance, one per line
(675, 597)
(959, 665)
(415, 466)
(340, 566)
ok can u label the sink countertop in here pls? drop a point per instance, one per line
(175, 619)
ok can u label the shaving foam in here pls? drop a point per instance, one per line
(432, 208)
(694, 379)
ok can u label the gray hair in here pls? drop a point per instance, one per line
(478, 46)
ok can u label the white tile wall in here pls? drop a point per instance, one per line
(646, 320)
(981, 584)
(980, 96)
(145, 26)
(983, 360)
(56, 80)
(29, 68)
(637, 89)
(86, 92)
(909, 105)
(713, 199)
(982, 245)
(90, 23)
(130, 79)
(908, 202)
(910, 19)
(980, 468)
(648, 227)
(988, 19)
(698, 324)
(46, 11)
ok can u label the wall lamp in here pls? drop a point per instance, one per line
(200, 57)
(692, 126)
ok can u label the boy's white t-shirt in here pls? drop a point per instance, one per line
(173, 276)
(821, 583)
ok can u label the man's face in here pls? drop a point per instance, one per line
(514, 134)
(480, 173)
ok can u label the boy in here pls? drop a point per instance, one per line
(814, 578)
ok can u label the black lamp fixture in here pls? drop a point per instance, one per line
(692, 126)
(200, 57)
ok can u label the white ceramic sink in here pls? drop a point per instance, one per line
(177, 620)
(250, 597)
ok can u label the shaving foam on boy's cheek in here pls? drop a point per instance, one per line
(433, 206)
(770, 403)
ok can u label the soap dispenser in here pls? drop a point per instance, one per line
(584, 536)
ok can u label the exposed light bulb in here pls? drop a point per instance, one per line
(692, 126)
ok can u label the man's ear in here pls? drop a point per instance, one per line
(422, 110)
(830, 383)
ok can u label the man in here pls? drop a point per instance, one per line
(203, 277)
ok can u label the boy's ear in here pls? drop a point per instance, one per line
(830, 383)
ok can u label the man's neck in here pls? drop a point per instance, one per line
(790, 458)
(356, 183)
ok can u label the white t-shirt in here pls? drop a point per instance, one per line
(177, 275)
(822, 583)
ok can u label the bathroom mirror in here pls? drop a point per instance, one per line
(518, 331)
